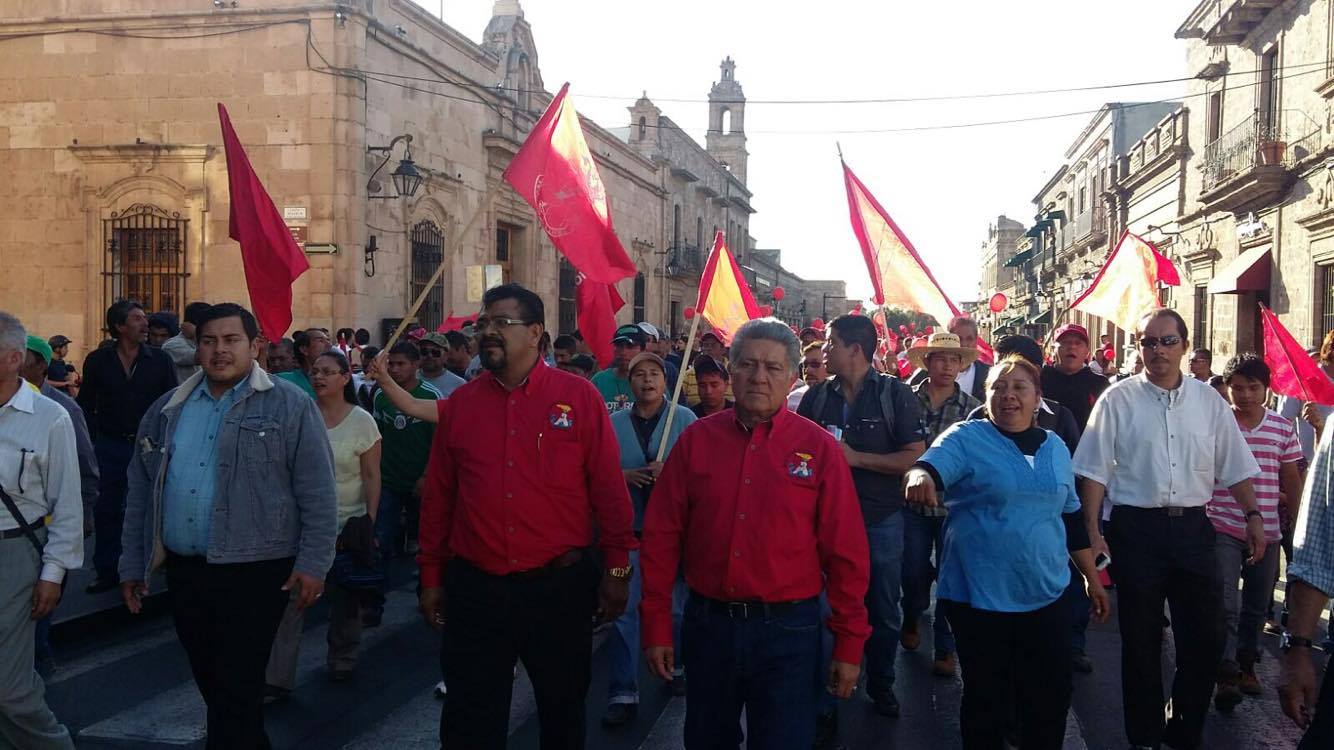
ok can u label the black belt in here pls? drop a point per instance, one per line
(559, 562)
(15, 533)
(1172, 511)
(748, 609)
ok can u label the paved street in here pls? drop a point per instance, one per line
(126, 684)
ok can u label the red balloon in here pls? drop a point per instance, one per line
(779, 293)
(930, 330)
(689, 313)
(903, 330)
(766, 310)
(818, 324)
(998, 302)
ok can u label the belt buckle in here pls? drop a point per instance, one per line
(1175, 511)
(739, 610)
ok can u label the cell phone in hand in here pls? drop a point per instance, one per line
(1102, 561)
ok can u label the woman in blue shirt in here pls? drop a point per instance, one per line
(1014, 520)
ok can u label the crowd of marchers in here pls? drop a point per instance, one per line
(762, 520)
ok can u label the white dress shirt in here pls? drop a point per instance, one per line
(967, 378)
(1153, 448)
(39, 469)
(794, 398)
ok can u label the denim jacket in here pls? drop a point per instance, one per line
(260, 511)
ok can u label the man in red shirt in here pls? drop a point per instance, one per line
(759, 505)
(523, 463)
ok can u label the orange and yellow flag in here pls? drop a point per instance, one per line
(725, 300)
(1126, 289)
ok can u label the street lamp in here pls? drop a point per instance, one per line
(405, 177)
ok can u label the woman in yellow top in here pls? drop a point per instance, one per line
(355, 441)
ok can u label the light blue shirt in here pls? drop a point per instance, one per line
(192, 472)
(1313, 537)
(1004, 545)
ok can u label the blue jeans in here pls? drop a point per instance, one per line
(623, 682)
(882, 602)
(768, 665)
(389, 521)
(1077, 600)
(922, 534)
(113, 461)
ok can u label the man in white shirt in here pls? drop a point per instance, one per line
(1155, 444)
(41, 537)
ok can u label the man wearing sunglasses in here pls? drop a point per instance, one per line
(434, 347)
(1154, 446)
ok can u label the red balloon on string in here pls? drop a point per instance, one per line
(998, 302)
(818, 324)
(779, 293)
(766, 310)
(689, 313)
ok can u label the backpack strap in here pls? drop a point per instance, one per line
(27, 529)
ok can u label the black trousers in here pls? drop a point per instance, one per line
(490, 622)
(1320, 735)
(226, 618)
(1014, 664)
(1158, 557)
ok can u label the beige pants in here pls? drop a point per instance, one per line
(26, 722)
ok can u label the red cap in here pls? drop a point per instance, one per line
(1071, 328)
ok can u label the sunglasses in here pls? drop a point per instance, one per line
(1153, 342)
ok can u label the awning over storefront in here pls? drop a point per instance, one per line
(1041, 319)
(1248, 272)
(1019, 259)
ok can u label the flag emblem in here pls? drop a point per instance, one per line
(562, 416)
(800, 466)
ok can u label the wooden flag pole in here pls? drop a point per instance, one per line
(444, 261)
(680, 380)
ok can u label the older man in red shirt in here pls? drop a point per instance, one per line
(523, 462)
(759, 505)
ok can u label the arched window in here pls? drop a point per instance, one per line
(428, 247)
(699, 231)
(145, 257)
(566, 294)
(726, 126)
(643, 127)
(640, 294)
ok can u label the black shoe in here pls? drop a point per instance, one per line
(886, 704)
(620, 714)
(274, 694)
(340, 675)
(679, 685)
(101, 584)
(826, 732)
(1081, 662)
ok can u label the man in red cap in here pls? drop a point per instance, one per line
(1069, 381)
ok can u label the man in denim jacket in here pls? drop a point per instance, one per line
(231, 491)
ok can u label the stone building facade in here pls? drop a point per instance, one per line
(1236, 186)
(115, 182)
(997, 275)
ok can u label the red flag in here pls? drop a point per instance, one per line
(596, 304)
(899, 276)
(269, 254)
(555, 173)
(1292, 371)
(724, 298)
(455, 324)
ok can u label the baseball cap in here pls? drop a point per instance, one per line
(650, 330)
(629, 334)
(436, 338)
(711, 335)
(40, 347)
(584, 362)
(1078, 330)
(644, 357)
(58, 341)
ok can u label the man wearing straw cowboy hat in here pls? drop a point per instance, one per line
(943, 402)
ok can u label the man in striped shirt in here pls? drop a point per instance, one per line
(1273, 442)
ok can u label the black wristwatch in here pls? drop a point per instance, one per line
(1255, 513)
(1287, 641)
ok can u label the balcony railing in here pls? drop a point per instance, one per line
(684, 259)
(1255, 142)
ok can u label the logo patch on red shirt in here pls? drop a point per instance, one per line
(562, 416)
(799, 466)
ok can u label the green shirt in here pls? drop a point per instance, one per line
(298, 379)
(615, 390)
(407, 441)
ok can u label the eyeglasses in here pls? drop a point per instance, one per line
(1153, 342)
(325, 373)
(484, 324)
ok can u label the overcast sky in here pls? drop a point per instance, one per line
(943, 187)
